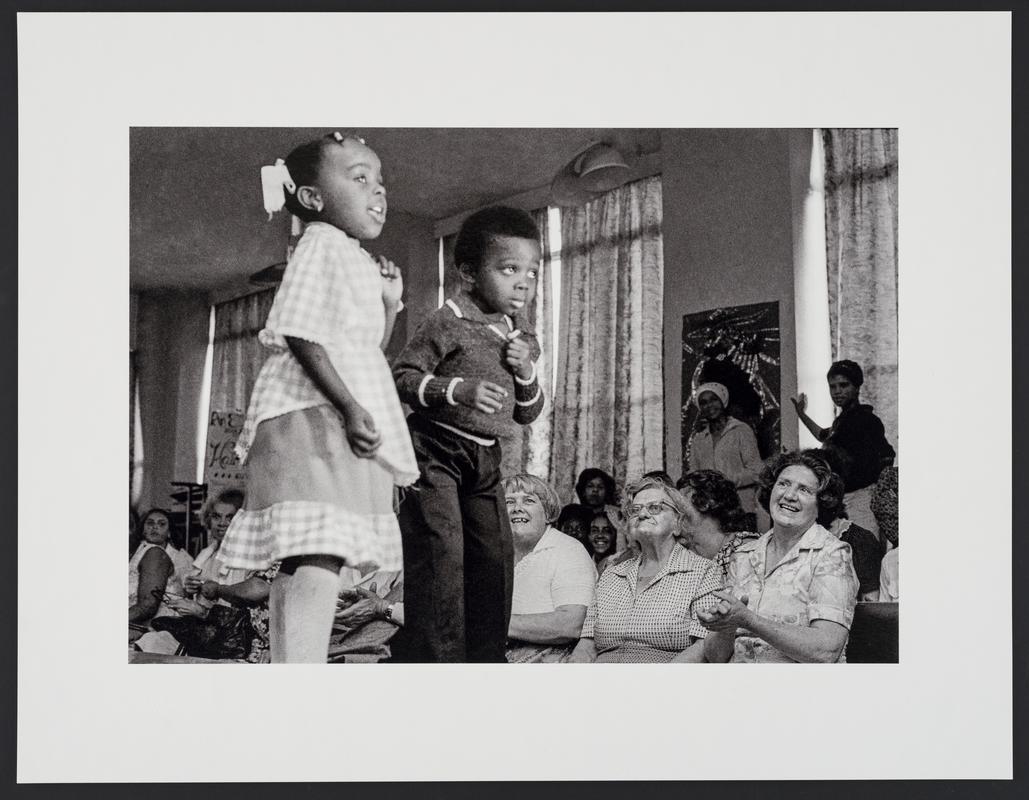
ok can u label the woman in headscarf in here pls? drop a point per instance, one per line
(726, 445)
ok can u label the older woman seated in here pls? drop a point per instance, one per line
(798, 576)
(554, 577)
(228, 615)
(714, 519)
(647, 606)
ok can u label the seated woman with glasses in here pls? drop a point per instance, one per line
(646, 606)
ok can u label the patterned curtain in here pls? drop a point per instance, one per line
(609, 399)
(861, 250)
(237, 353)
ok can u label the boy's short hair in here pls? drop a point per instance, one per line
(481, 227)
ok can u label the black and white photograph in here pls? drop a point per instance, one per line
(588, 370)
(511, 420)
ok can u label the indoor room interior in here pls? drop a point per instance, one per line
(731, 223)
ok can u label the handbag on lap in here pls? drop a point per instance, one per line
(226, 632)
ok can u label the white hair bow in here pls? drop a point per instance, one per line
(276, 181)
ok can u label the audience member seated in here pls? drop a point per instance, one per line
(798, 576)
(152, 579)
(726, 444)
(885, 508)
(646, 608)
(602, 538)
(574, 520)
(554, 577)
(865, 548)
(226, 613)
(596, 490)
(859, 433)
(714, 522)
(369, 610)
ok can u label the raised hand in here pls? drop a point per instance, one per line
(392, 282)
(362, 435)
(483, 396)
(799, 403)
(518, 356)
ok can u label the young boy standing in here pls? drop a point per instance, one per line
(469, 375)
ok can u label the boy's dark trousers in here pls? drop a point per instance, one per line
(458, 555)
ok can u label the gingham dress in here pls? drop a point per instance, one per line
(657, 622)
(331, 294)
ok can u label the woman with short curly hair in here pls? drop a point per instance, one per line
(714, 520)
(790, 594)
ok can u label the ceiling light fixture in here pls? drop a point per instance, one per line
(596, 169)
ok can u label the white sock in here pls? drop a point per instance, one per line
(277, 618)
(310, 607)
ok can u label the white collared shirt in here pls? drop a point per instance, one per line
(558, 572)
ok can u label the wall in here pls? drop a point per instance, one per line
(171, 342)
(728, 240)
(409, 242)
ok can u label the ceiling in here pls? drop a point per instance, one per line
(196, 213)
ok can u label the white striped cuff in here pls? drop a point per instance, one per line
(421, 389)
(527, 381)
(535, 397)
(450, 390)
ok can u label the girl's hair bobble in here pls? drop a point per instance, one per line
(275, 182)
(342, 137)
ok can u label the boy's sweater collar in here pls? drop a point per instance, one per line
(469, 310)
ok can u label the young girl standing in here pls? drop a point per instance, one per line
(324, 440)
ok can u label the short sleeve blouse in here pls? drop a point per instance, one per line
(814, 580)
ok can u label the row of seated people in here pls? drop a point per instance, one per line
(200, 607)
(598, 523)
(680, 574)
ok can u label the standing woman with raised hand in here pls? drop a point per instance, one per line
(324, 441)
(859, 433)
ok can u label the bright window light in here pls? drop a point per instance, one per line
(814, 352)
(554, 235)
(204, 412)
(442, 274)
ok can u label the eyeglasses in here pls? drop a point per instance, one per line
(653, 509)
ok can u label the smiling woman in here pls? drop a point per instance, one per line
(647, 605)
(554, 577)
(790, 594)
